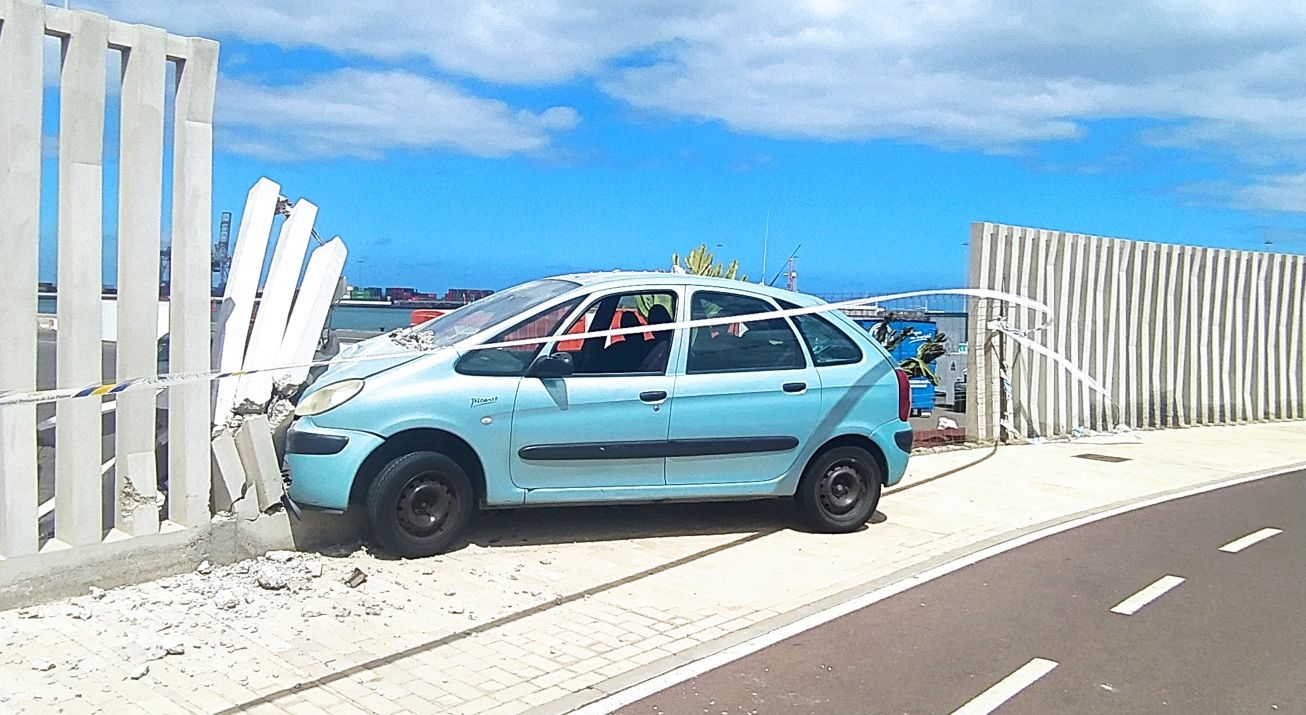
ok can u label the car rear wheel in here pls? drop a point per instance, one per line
(840, 490)
(419, 504)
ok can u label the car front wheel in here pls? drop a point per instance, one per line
(840, 490)
(419, 504)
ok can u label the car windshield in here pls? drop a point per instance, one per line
(474, 317)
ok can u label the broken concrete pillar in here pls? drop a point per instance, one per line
(228, 472)
(258, 455)
(139, 500)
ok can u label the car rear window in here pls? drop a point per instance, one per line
(828, 344)
(740, 347)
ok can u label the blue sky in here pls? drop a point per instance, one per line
(479, 144)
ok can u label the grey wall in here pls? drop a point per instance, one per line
(955, 325)
(1179, 335)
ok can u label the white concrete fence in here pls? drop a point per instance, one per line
(1179, 335)
(88, 42)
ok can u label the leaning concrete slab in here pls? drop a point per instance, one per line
(228, 473)
(311, 305)
(232, 330)
(259, 456)
(274, 307)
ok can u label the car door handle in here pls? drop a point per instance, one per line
(653, 396)
(794, 386)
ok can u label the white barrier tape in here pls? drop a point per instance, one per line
(1059, 359)
(168, 380)
(752, 317)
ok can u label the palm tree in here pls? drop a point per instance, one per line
(701, 262)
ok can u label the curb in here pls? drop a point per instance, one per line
(620, 690)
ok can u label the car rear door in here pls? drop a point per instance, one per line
(746, 400)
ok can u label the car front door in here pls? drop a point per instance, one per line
(747, 401)
(606, 424)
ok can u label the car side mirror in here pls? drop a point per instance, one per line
(552, 365)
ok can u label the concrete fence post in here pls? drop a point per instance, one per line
(22, 35)
(192, 203)
(81, 233)
(140, 166)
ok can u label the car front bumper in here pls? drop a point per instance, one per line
(323, 463)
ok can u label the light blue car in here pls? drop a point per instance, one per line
(806, 406)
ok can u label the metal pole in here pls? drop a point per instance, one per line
(1003, 380)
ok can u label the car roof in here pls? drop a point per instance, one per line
(650, 278)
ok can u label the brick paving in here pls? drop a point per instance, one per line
(547, 610)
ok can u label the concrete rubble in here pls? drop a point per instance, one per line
(414, 339)
(216, 618)
(271, 577)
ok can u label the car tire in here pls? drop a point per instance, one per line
(839, 490)
(419, 504)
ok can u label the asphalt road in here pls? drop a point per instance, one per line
(1231, 638)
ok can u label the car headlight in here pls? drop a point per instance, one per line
(329, 397)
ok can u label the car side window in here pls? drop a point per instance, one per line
(513, 360)
(634, 354)
(828, 344)
(740, 347)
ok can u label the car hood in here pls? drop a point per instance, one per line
(365, 359)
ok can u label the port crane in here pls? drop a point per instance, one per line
(222, 253)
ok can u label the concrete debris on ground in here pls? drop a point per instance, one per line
(356, 579)
(217, 618)
(226, 599)
(271, 578)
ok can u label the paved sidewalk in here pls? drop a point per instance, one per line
(549, 609)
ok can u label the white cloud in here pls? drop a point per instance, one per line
(1218, 76)
(979, 73)
(988, 74)
(517, 42)
(352, 112)
(1286, 193)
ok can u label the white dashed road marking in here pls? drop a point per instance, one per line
(1005, 689)
(656, 684)
(1130, 606)
(1237, 545)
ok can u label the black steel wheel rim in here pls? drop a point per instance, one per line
(425, 505)
(842, 488)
